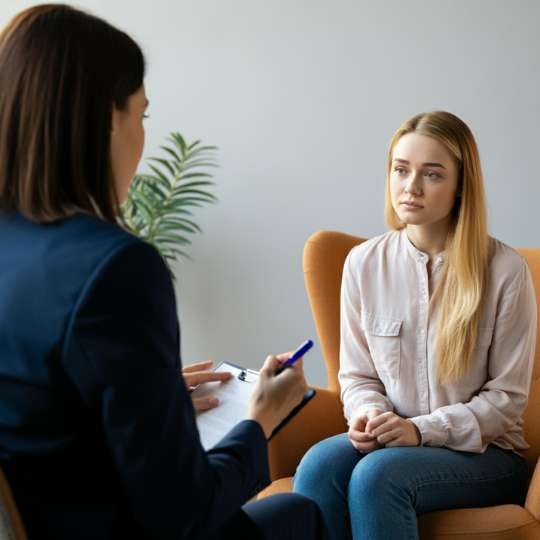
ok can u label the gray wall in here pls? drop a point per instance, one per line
(302, 98)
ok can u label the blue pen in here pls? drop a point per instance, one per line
(303, 349)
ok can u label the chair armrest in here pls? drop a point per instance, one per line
(10, 521)
(322, 417)
(532, 503)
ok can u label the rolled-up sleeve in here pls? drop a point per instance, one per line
(361, 387)
(499, 404)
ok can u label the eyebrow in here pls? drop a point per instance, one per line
(427, 164)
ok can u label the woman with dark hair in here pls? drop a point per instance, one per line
(97, 431)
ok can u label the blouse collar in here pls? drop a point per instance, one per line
(418, 255)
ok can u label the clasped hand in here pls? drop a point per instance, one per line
(376, 429)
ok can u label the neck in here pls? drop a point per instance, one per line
(430, 239)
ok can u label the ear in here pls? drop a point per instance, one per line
(115, 120)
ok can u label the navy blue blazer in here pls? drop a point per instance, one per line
(97, 430)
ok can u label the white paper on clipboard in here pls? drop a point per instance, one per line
(233, 397)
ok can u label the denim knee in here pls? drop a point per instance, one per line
(379, 473)
(330, 461)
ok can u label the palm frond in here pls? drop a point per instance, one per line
(159, 202)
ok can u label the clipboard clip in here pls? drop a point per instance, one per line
(242, 375)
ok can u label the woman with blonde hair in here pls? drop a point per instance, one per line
(438, 328)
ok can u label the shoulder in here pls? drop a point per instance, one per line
(131, 278)
(125, 279)
(74, 254)
(76, 249)
(63, 253)
(506, 265)
(374, 250)
(114, 258)
(89, 234)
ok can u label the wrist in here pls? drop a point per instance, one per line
(417, 433)
(266, 423)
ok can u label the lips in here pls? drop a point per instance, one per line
(411, 204)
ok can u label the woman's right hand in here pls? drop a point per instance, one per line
(274, 396)
(362, 440)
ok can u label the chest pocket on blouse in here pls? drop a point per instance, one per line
(384, 342)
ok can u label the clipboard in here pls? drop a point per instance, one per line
(233, 396)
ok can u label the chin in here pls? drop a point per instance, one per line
(412, 220)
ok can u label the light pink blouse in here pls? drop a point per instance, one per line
(387, 353)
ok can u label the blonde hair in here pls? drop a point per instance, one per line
(462, 285)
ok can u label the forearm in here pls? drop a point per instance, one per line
(471, 426)
(361, 387)
(178, 490)
(361, 396)
(239, 470)
(497, 406)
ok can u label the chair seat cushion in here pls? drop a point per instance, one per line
(505, 522)
(283, 485)
(11, 527)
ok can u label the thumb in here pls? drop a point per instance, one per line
(271, 364)
(298, 365)
(359, 423)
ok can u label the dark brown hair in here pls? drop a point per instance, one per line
(61, 73)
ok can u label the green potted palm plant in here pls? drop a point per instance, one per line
(159, 204)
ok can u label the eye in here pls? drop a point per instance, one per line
(400, 170)
(145, 116)
(432, 175)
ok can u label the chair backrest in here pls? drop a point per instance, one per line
(11, 527)
(324, 255)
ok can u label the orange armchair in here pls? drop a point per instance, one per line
(11, 526)
(324, 255)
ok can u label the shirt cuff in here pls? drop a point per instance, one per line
(432, 430)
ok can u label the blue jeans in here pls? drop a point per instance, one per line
(381, 493)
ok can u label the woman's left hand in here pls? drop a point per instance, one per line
(393, 430)
(199, 373)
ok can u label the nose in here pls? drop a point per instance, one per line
(414, 184)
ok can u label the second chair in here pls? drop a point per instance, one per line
(324, 256)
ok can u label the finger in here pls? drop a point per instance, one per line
(198, 366)
(298, 364)
(271, 364)
(389, 425)
(205, 403)
(397, 442)
(199, 377)
(359, 423)
(372, 413)
(274, 363)
(378, 421)
(389, 436)
(365, 447)
(283, 357)
(360, 436)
